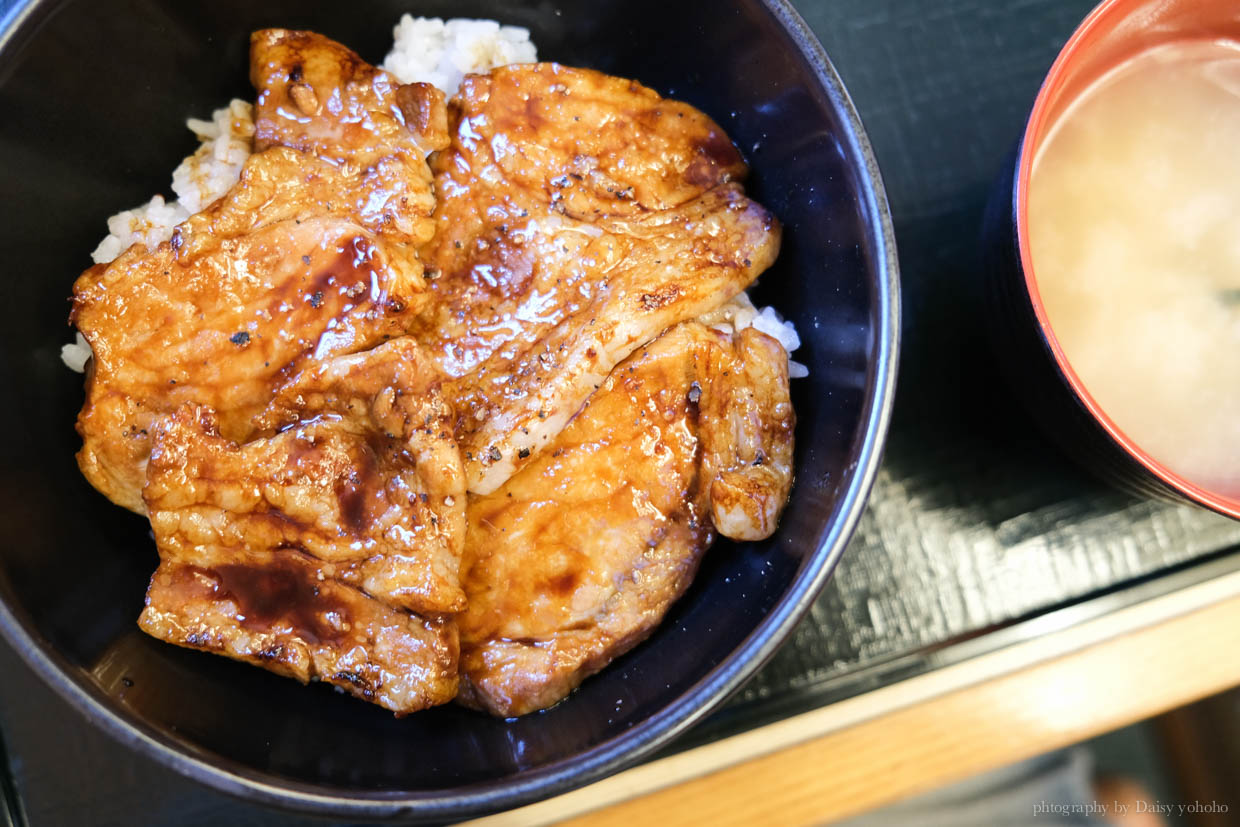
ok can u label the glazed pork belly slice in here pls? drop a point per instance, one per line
(362, 474)
(333, 542)
(311, 254)
(580, 216)
(319, 541)
(395, 493)
(317, 96)
(277, 611)
(577, 557)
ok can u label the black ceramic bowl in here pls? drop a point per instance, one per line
(95, 95)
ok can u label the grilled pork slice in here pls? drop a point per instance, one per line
(310, 255)
(362, 474)
(320, 539)
(580, 215)
(279, 612)
(392, 495)
(577, 557)
(318, 97)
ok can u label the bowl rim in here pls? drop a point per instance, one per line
(17, 27)
(1105, 15)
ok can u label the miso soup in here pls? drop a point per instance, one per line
(1134, 232)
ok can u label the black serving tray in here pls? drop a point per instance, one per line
(976, 523)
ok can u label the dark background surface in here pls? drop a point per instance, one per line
(976, 520)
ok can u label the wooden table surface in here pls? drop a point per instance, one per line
(1046, 692)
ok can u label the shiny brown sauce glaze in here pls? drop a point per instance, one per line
(338, 283)
(356, 491)
(230, 604)
(716, 152)
(281, 592)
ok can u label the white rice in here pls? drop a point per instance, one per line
(425, 50)
(227, 141)
(76, 354)
(430, 50)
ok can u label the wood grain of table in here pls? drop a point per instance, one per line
(912, 736)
